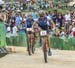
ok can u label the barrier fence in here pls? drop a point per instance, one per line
(20, 40)
(63, 44)
(55, 42)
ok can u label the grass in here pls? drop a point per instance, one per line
(58, 10)
(49, 9)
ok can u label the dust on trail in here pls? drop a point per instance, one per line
(20, 59)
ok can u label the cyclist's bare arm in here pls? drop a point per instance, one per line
(35, 22)
(52, 23)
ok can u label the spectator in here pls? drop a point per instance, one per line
(2, 29)
(10, 19)
(73, 30)
(55, 16)
(50, 15)
(67, 17)
(34, 15)
(22, 27)
(14, 37)
(60, 20)
(18, 17)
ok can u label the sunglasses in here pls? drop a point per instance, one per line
(42, 16)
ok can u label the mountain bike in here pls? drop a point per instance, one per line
(43, 35)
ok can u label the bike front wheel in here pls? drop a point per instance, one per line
(44, 50)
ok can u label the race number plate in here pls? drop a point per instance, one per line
(43, 33)
(29, 29)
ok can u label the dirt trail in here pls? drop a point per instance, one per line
(20, 59)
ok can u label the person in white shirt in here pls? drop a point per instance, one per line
(67, 20)
(67, 17)
(8, 32)
(14, 31)
(8, 36)
(14, 37)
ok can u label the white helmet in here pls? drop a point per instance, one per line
(41, 12)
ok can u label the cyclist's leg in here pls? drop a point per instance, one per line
(34, 38)
(28, 40)
(31, 38)
(48, 45)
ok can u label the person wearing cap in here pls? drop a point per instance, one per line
(18, 17)
(43, 22)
